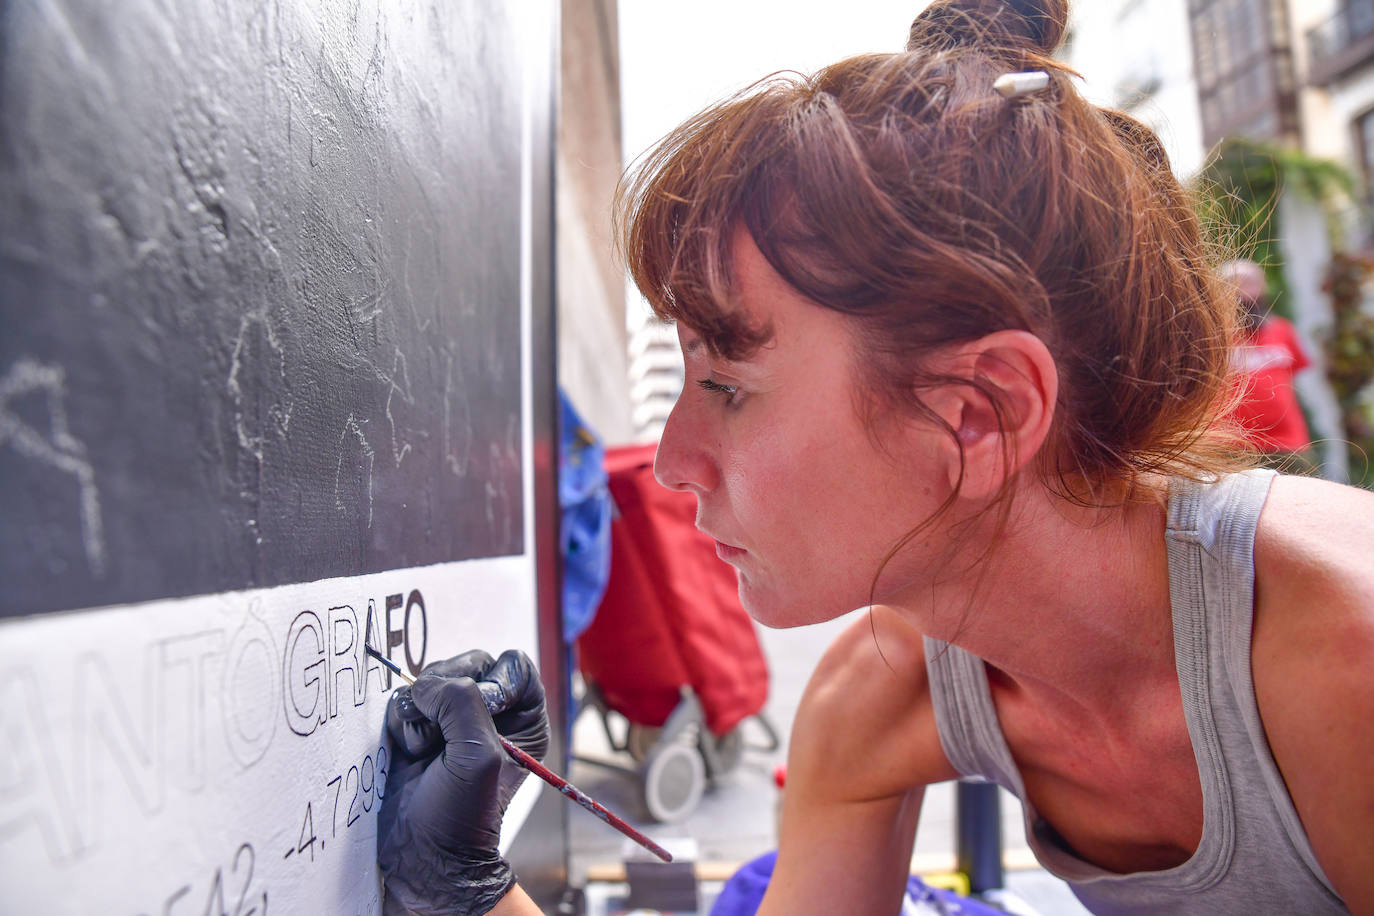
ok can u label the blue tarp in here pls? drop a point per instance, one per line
(585, 529)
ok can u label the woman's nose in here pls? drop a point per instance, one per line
(683, 460)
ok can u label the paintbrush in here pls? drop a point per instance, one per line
(549, 776)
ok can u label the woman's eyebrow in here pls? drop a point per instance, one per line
(694, 346)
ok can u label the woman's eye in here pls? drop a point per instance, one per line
(728, 391)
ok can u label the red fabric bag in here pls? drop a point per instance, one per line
(671, 614)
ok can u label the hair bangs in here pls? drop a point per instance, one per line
(678, 208)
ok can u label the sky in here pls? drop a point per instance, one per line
(677, 58)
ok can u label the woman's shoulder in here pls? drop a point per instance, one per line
(1312, 659)
(1315, 535)
(866, 713)
(1314, 582)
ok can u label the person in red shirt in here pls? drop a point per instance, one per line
(1265, 360)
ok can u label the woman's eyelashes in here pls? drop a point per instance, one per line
(728, 392)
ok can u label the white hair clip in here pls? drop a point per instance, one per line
(1014, 84)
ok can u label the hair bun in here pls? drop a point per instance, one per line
(1026, 25)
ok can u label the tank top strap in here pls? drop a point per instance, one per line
(966, 717)
(1211, 540)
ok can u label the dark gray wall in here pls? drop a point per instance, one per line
(259, 285)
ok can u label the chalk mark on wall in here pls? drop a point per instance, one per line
(367, 308)
(504, 462)
(398, 382)
(494, 491)
(344, 267)
(351, 425)
(59, 449)
(457, 463)
(249, 440)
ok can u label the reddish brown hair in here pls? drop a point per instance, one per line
(903, 191)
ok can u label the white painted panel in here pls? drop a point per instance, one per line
(176, 757)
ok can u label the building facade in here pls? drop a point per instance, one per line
(1244, 62)
(1340, 48)
(1150, 76)
(656, 376)
(592, 336)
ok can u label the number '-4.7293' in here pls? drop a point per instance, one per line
(363, 786)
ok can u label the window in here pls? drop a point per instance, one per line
(1364, 147)
(1244, 70)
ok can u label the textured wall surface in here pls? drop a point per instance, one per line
(275, 383)
(260, 292)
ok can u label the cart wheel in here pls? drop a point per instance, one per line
(640, 740)
(674, 779)
(729, 751)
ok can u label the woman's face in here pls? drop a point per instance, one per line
(800, 498)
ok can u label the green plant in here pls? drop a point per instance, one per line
(1238, 192)
(1350, 358)
(1237, 197)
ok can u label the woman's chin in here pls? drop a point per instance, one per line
(778, 612)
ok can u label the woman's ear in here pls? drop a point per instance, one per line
(1000, 412)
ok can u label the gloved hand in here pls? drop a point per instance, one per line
(450, 781)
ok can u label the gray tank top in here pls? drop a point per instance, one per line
(1254, 856)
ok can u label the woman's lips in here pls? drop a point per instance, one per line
(728, 552)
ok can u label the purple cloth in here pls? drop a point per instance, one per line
(743, 893)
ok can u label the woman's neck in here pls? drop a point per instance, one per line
(1072, 602)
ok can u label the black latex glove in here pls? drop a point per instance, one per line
(450, 781)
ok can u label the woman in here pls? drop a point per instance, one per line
(956, 353)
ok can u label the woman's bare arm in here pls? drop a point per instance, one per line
(515, 903)
(863, 748)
